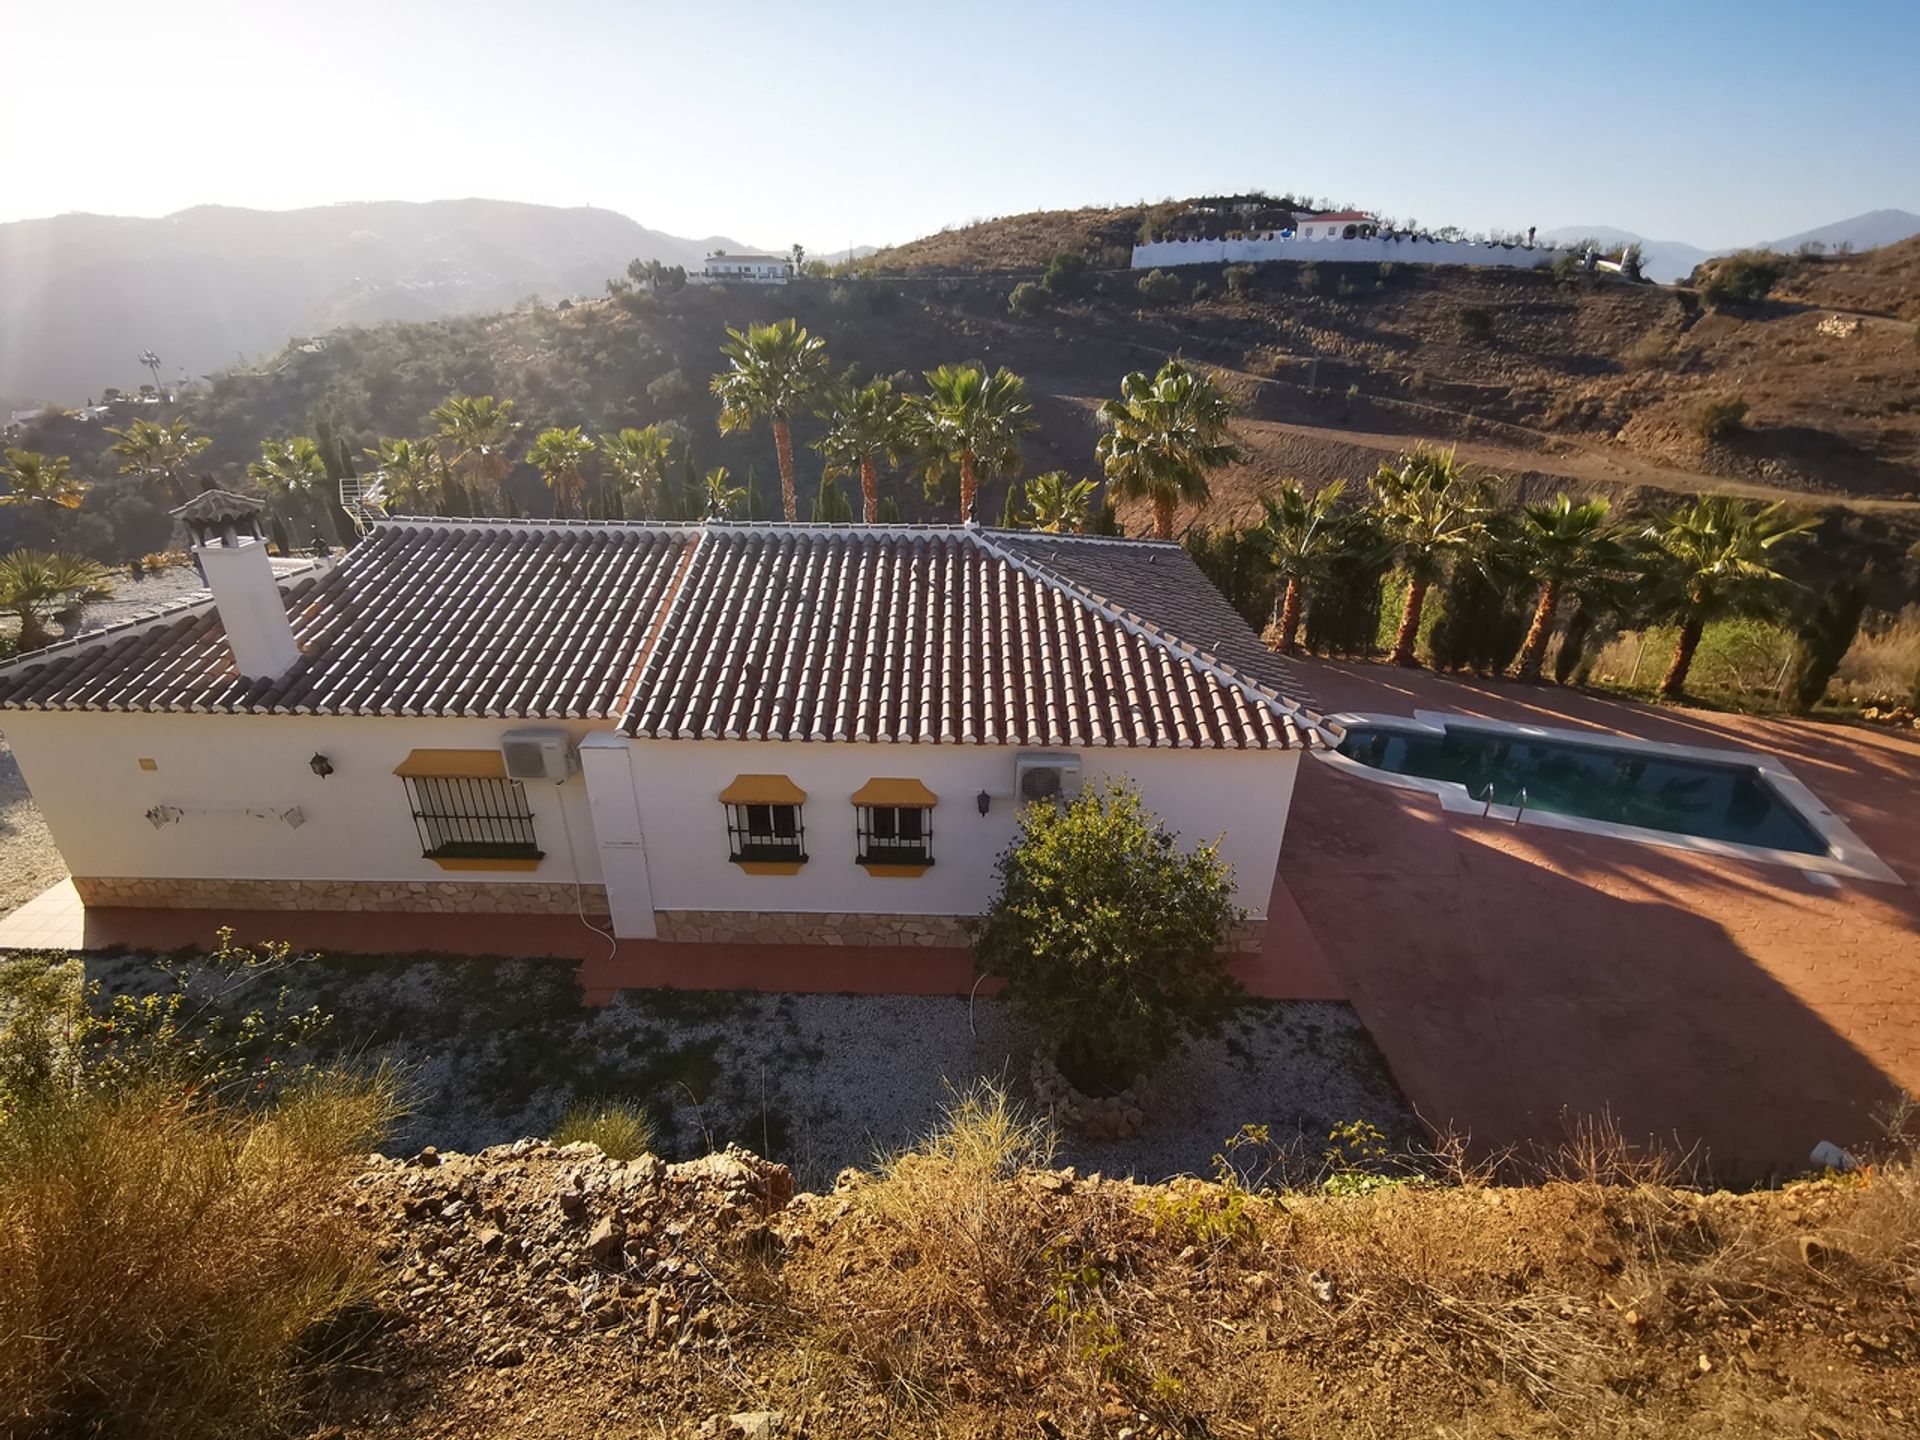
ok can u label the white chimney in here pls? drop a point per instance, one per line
(233, 556)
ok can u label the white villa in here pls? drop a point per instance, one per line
(754, 269)
(690, 729)
(1337, 225)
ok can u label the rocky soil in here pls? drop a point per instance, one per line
(552, 1292)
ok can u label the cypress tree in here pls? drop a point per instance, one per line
(1825, 637)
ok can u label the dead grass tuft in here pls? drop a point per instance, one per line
(162, 1264)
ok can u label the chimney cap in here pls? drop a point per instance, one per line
(221, 515)
(218, 507)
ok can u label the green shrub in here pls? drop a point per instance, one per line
(1066, 273)
(1157, 287)
(1202, 292)
(1476, 324)
(1721, 416)
(1107, 935)
(1310, 278)
(1740, 279)
(1029, 299)
(1240, 279)
(1481, 626)
(620, 1128)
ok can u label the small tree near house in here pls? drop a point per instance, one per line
(1107, 935)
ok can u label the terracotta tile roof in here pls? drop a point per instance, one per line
(1157, 584)
(421, 618)
(934, 635)
(937, 635)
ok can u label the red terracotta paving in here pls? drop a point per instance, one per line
(1508, 972)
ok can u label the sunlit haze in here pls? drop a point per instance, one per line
(833, 124)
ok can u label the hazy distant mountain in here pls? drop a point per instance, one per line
(1863, 232)
(81, 296)
(1662, 260)
(1669, 260)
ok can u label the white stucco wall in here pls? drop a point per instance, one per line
(85, 774)
(84, 771)
(1252, 250)
(1203, 794)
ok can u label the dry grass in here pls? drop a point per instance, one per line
(962, 1284)
(1883, 664)
(161, 1266)
(621, 1129)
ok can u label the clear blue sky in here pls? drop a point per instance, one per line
(831, 123)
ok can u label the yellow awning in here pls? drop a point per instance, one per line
(452, 765)
(762, 790)
(910, 793)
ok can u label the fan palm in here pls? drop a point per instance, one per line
(411, 475)
(1301, 538)
(1566, 548)
(1165, 434)
(34, 479)
(723, 497)
(969, 425)
(1430, 512)
(866, 425)
(1058, 503)
(636, 463)
(1715, 556)
(773, 372)
(36, 585)
(558, 455)
(475, 435)
(294, 474)
(162, 454)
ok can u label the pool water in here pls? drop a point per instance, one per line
(1729, 802)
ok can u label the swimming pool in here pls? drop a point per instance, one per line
(1727, 802)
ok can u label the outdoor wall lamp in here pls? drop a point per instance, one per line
(320, 765)
(984, 801)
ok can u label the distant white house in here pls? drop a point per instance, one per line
(755, 269)
(1337, 225)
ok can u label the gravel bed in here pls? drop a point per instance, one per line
(28, 861)
(499, 1049)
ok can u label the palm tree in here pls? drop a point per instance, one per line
(866, 424)
(773, 372)
(1165, 433)
(293, 472)
(558, 454)
(1566, 548)
(1713, 557)
(35, 480)
(1301, 537)
(475, 435)
(36, 585)
(723, 498)
(1058, 503)
(159, 453)
(969, 424)
(1430, 512)
(411, 475)
(636, 463)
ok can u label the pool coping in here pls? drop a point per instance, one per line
(1847, 856)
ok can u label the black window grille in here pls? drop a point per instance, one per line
(766, 832)
(895, 834)
(468, 818)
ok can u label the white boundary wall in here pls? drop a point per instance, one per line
(1402, 250)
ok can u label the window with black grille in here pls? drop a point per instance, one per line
(766, 832)
(472, 818)
(895, 834)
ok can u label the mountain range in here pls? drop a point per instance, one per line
(81, 296)
(1670, 260)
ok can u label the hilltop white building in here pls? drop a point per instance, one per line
(754, 269)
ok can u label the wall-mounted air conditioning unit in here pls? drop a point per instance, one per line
(1046, 778)
(538, 754)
